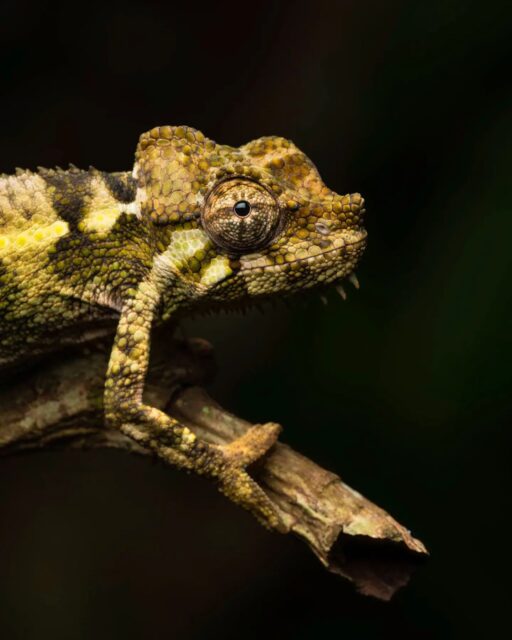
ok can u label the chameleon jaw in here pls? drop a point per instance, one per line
(348, 240)
(259, 279)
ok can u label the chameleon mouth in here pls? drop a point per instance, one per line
(263, 284)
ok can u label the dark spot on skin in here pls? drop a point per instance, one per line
(69, 191)
(121, 185)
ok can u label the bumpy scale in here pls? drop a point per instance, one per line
(195, 224)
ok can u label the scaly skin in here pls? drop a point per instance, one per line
(82, 250)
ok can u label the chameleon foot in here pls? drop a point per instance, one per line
(236, 484)
(252, 445)
(177, 445)
(240, 488)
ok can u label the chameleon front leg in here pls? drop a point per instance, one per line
(173, 442)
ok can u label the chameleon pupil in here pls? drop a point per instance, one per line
(242, 208)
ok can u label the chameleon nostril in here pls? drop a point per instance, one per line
(322, 227)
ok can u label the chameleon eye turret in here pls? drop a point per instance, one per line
(241, 216)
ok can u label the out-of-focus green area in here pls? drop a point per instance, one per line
(404, 389)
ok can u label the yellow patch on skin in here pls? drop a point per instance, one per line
(184, 245)
(187, 436)
(217, 270)
(60, 228)
(36, 238)
(101, 210)
(100, 220)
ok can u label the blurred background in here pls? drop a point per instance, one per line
(403, 389)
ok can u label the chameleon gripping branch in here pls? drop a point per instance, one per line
(61, 405)
(193, 226)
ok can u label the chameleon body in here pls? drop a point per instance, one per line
(194, 224)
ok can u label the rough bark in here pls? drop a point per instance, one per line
(61, 405)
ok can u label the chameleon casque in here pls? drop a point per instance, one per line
(195, 224)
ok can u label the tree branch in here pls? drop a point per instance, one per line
(61, 405)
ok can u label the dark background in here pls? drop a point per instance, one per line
(404, 389)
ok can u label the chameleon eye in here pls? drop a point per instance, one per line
(241, 216)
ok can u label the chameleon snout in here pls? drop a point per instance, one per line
(347, 211)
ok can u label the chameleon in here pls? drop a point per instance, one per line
(195, 225)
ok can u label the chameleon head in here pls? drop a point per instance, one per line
(245, 222)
